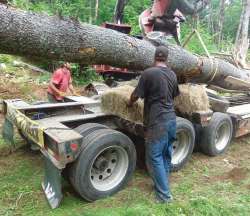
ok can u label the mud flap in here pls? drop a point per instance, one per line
(8, 131)
(52, 185)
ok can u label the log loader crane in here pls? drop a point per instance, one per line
(162, 19)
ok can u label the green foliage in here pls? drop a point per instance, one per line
(132, 12)
(6, 59)
(209, 20)
(194, 45)
(232, 19)
(106, 11)
(24, 4)
(44, 78)
(84, 10)
(84, 77)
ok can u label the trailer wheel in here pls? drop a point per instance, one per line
(88, 128)
(217, 135)
(184, 145)
(84, 130)
(104, 166)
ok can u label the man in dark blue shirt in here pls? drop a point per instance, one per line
(158, 86)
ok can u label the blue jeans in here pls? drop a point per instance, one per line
(158, 156)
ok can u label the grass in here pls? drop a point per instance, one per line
(201, 188)
(25, 75)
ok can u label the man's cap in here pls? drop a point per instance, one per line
(161, 52)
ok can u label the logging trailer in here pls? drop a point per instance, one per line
(95, 151)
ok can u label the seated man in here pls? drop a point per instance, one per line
(60, 84)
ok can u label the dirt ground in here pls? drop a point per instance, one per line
(18, 87)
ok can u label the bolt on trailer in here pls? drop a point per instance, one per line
(91, 148)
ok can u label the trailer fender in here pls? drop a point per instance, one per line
(52, 186)
(8, 131)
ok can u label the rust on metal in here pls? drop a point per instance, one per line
(243, 128)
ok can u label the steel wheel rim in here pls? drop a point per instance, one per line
(222, 136)
(180, 146)
(114, 165)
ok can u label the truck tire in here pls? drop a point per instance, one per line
(217, 135)
(88, 128)
(84, 130)
(105, 164)
(197, 129)
(184, 145)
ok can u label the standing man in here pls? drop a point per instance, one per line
(158, 86)
(60, 84)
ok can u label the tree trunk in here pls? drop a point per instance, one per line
(210, 17)
(119, 8)
(90, 12)
(4, 1)
(96, 9)
(242, 40)
(221, 15)
(37, 35)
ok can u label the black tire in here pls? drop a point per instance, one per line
(198, 130)
(183, 147)
(84, 130)
(88, 128)
(217, 135)
(87, 179)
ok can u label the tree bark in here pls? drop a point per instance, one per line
(35, 35)
(90, 12)
(242, 40)
(221, 15)
(119, 9)
(4, 1)
(96, 9)
(210, 17)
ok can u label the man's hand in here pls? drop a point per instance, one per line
(76, 94)
(133, 98)
(62, 94)
(129, 103)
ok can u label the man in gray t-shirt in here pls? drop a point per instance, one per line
(158, 86)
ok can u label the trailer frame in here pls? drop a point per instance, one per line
(51, 127)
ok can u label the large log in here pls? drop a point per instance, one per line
(38, 35)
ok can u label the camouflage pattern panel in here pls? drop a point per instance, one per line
(29, 127)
